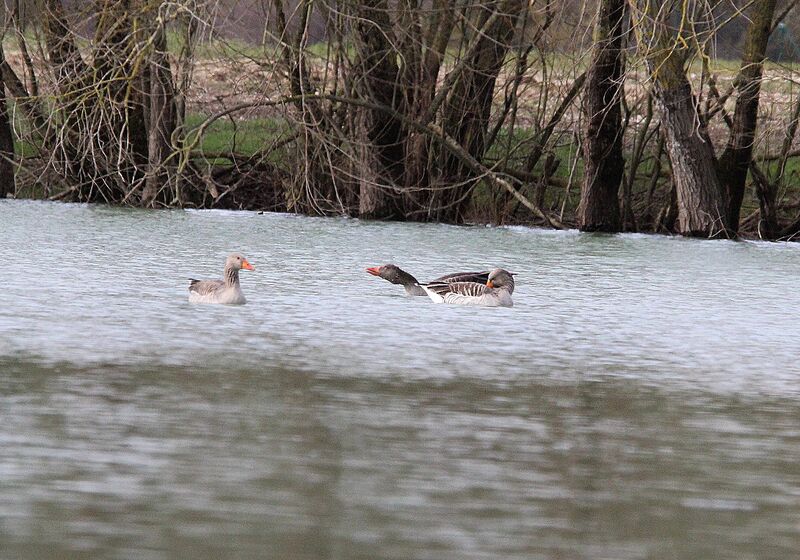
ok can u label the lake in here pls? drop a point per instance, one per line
(640, 400)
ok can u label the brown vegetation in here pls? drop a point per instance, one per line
(609, 115)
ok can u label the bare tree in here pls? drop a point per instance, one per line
(467, 111)
(6, 137)
(736, 160)
(701, 200)
(602, 142)
(378, 67)
(162, 118)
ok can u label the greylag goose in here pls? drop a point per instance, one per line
(397, 275)
(226, 291)
(496, 292)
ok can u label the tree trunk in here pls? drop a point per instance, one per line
(71, 75)
(467, 111)
(121, 125)
(6, 141)
(700, 196)
(735, 161)
(421, 89)
(702, 208)
(162, 120)
(379, 72)
(602, 144)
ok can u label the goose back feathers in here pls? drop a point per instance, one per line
(495, 292)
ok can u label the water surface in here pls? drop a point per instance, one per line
(639, 401)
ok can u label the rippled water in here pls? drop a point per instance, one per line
(641, 400)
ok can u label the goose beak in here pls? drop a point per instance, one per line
(247, 266)
(374, 270)
(490, 284)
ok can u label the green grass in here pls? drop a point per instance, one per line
(522, 142)
(792, 169)
(243, 137)
(216, 48)
(25, 149)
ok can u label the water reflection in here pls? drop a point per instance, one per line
(208, 463)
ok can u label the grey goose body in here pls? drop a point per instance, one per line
(495, 292)
(227, 291)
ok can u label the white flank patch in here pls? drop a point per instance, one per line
(436, 298)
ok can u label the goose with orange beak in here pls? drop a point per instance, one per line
(496, 292)
(227, 291)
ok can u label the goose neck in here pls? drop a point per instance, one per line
(231, 276)
(406, 279)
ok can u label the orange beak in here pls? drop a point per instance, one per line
(374, 270)
(247, 266)
(490, 284)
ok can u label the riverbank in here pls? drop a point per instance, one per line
(245, 144)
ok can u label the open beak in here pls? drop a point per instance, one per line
(247, 266)
(490, 284)
(374, 270)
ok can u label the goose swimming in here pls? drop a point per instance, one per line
(227, 291)
(397, 275)
(496, 292)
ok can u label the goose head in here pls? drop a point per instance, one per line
(236, 261)
(502, 279)
(392, 273)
